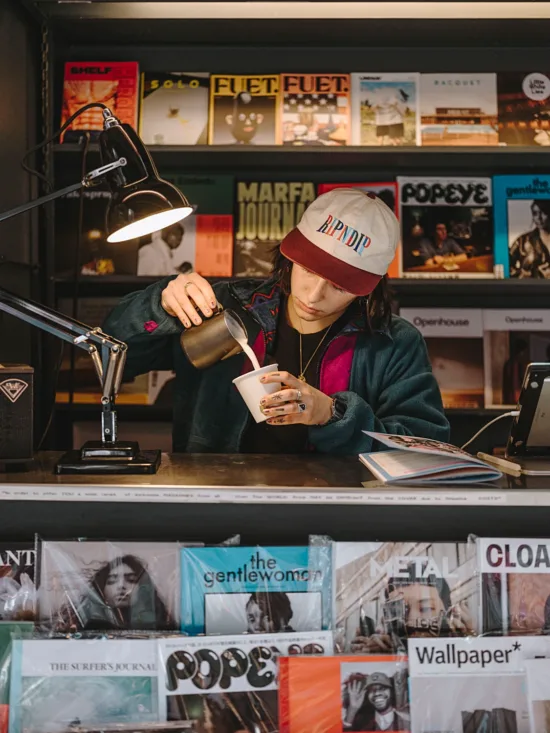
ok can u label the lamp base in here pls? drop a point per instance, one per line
(121, 457)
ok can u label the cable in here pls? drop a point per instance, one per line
(514, 413)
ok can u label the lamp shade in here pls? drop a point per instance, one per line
(141, 202)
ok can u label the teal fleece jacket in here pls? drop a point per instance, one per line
(383, 377)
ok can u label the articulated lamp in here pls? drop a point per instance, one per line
(141, 203)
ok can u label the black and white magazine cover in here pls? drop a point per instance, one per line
(17, 581)
(471, 685)
(389, 592)
(109, 585)
(446, 227)
(229, 684)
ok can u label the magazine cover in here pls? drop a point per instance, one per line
(515, 585)
(385, 109)
(470, 685)
(265, 213)
(522, 225)
(314, 109)
(446, 227)
(9, 630)
(57, 683)
(512, 339)
(454, 338)
(243, 109)
(203, 241)
(108, 585)
(174, 108)
(229, 683)
(113, 83)
(17, 581)
(388, 592)
(255, 590)
(538, 694)
(344, 693)
(458, 109)
(385, 191)
(523, 108)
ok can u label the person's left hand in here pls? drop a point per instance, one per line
(298, 403)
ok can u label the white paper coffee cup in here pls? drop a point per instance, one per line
(252, 390)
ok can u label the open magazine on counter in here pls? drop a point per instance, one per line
(422, 460)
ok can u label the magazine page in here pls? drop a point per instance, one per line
(400, 466)
(385, 109)
(538, 693)
(344, 693)
(57, 682)
(423, 445)
(523, 108)
(109, 585)
(446, 227)
(461, 685)
(515, 585)
(389, 592)
(230, 682)
(454, 338)
(237, 590)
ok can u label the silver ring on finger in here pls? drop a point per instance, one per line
(298, 395)
(187, 285)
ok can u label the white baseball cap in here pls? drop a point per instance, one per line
(346, 236)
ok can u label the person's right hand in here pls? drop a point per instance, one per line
(184, 295)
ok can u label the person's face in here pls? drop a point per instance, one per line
(423, 606)
(121, 583)
(315, 298)
(258, 621)
(379, 697)
(540, 219)
(173, 236)
(441, 232)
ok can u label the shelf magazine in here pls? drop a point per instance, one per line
(471, 685)
(344, 693)
(314, 109)
(385, 109)
(110, 586)
(522, 225)
(523, 108)
(458, 109)
(56, 683)
(17, 581)
(237, 590)
(446, 227)
(512, 339)
(538, 693)
(454, 338)
(390, 592)
(515, 586)
(265, 212)
(174, 108)
(229, 683)
(387, 191)
(113, 83)
(243, 109)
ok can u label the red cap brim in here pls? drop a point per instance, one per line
(300, 250)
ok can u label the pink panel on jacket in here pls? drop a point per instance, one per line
(336, 365)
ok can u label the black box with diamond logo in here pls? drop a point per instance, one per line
(16, 412)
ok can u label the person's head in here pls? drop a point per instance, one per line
(340, 252)
(117, 580)
(268, 613)
(422, 599)
(540, 209)
(379, 691)
(440, 232)
(173, 235)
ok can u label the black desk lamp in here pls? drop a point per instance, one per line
(141, 203)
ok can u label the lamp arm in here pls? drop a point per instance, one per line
(107, 353)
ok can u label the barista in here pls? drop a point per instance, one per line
(346, 363)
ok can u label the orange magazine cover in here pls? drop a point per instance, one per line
(314, 109)
(385, 191)
(344, 693)
(113, 83)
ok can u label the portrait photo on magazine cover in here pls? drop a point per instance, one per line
(102, 585)
(375, 697)
(529, 237)
(270, 612)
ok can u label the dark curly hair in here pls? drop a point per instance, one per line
(374, 309)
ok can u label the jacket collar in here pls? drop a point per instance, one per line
(263, 302)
